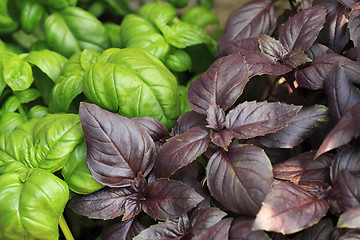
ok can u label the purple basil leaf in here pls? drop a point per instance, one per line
(188, 120)
(181, 150)
(252, 19)
(355, 112)
(312, 77)
(335, 33)
(329, 4)
(295, 58)
(298, 128)
(222, 138)
(342, 95)
(205, 218)
(288, 209)
(154, 128)
(215, 117)
(107, 203)
(252, 119)
(125, 230)
(350, 190)
(168, 199)
(344, 234)
(222, 83)
(260, 63)
(354, 24)
(303, 167)
(271, 47)
(241, 46)
(349, 3)
(245, 168)
(320, 231)
(219, 231)
(241, 229)
(163, 231)
(350, 218)
(317, 50)
(133, 205)
(347, 158)
(306, 3)
(301, 30)
(343, 132)
(117, 149)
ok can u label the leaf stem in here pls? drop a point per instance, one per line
(65, 228)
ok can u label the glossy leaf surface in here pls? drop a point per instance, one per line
(125, 230)
(245, 168)
(117, 148)
(347, 158)
(241, 228)
(217, 232)
(354, 23)
(350, 218)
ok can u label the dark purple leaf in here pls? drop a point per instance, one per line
(259, 63)
(168, 230)
(117, 149)
(133, 205)
(342, 95)
(168, 199)
(245, 168)
(188, 120)
(181, 150)
(154, 128)
(205, 218)
(345, 234)
(335, 33)
(125, 230)
(215, 117)
(354, 24)
(349, 3)
(317, 50)
(241, 229)
(222, 138)
(352, 53)
(329, 4)
(320, 231)
(241, 46)
(347, 158)
(251, 119)
(295, 58)
(219, 231)
(252, 19)
(343, 132)
(303, 167)
(306, 3)
(271, 47)
(355, 112)
(106, 203)
(222, 83)
(288, 209)
(301, 30)
(350, 190)
(298, 128)
(350, 218)
(313, 76)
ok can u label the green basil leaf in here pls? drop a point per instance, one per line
(31, 204)
(77, 174)
(16, 72)
(66, 32)
(132, 26)
(73, 64)
(157, 11)
(199, 16)
(182, 34)
(178, 61)
(7, 24)
(11, 104)
(55, 137)
(183, 94)
(2, 46)
(58, 4)
(9, 121)
(113, 30)
(133, 83)
(206, 3)
(27, 95)
(154, 43)
(64, 92)
(37, 111)
(31, 15)
(49, 62)
(87, 58)
(120, 7)
(11, 150)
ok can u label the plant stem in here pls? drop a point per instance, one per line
(65, 228)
